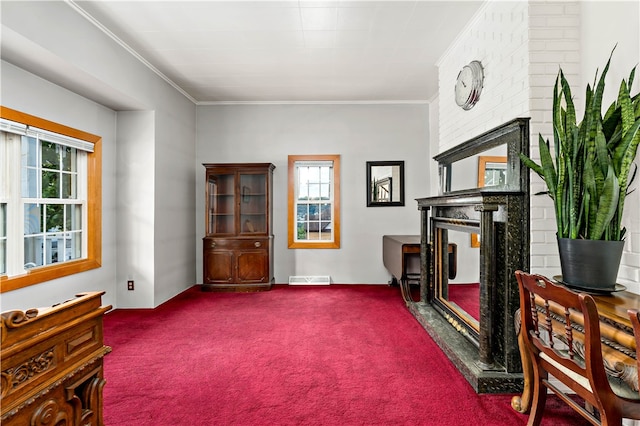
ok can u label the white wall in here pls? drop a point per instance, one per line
(135, 221)
(358, 133)
(52, 40)
(603, 25)
(174, 204)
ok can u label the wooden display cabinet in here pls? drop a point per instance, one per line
(238, 242)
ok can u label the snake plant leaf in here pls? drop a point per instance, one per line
(626, 108)
(611, 122)
(631, 140)
(532, 165)
(607, 204)
(601, 152)
(594, 106)
(556, 116)
(569, 118)
(625, 151)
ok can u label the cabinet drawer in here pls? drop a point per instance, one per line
(227, 244)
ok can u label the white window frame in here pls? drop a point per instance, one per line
(79, 199)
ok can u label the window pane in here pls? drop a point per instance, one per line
(33, 254)
(55, 248)
(50, 184)
(55, 218)
(303, 175)
(73, 246)
(3, 220)
(73, 221)
(302, 211)
(3, 239)
(325, 211)
(29, 183)
(50, 155)
(33, 219)
(303, 191)
(69, 185)
(29, 152)
(324, 191)
(302, 230)
(314, 191)
(314, 174)
(3, 256)
(325, 174)
(68, 158)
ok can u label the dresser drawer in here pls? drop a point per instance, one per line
(228, 244)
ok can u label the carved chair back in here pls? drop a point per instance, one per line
(561, 330)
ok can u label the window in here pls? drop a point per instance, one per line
(314, 201)
(50, 209)
(3, 238)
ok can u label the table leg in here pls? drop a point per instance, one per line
(522, 403)
(405, 289)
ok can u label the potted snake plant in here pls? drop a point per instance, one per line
(588, 175)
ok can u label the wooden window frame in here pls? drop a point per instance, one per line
(335, 218)
(94, 208)
(482, 167)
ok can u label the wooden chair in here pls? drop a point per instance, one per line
(634, 314)
(561, 330)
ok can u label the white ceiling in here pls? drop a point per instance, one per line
(290, 51)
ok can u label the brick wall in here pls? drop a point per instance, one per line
(498, 38)
(554, 40)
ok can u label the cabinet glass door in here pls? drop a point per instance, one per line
(253, 203)
(221, 192)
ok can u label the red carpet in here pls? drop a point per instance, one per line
(331, 355)
(467, 296)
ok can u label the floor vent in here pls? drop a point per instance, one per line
(310, 280)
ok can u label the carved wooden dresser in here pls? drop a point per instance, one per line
(52, 363)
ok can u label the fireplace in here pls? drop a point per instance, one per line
(483, 208)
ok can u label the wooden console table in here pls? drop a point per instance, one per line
(396, 252)
(618, 345)
(52, 364)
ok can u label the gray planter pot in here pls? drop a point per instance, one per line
(590, 265)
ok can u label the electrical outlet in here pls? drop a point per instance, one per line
(130, 285)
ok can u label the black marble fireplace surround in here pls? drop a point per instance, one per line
(485, 351)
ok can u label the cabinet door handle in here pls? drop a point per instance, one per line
(257, 244)
(213, 244)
